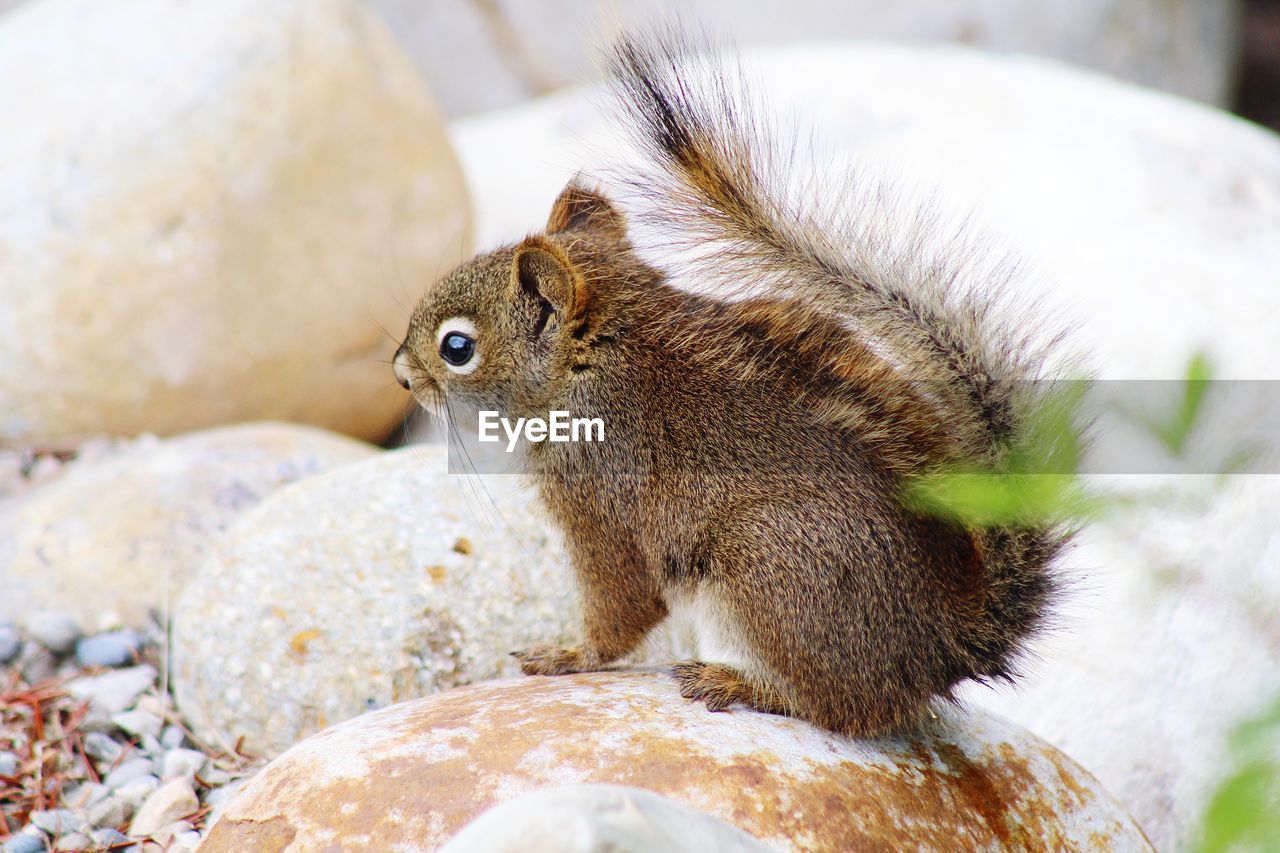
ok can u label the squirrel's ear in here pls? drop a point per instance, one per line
(541, 272)
(578, 208)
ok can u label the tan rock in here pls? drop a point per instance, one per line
(124, 534)
(411, 776)
(200, 236)
(170, 802)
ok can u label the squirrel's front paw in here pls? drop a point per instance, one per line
(548, 660)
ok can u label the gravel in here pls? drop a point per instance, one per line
(129, 737)
(116, 691)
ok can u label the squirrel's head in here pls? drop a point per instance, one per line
(511, 326)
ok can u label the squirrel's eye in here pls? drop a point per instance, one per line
(456, 338)
(457, 348)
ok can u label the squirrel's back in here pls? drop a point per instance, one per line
(928, 366)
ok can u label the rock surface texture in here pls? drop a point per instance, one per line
(433, 765)
(213, 233)
(124, 534)
(512, 49)
(383, 581)
(1151, 223)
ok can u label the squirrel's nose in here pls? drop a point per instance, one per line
(400, 366)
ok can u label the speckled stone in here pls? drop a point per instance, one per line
(348, 592)
(974, 782)
(125, 533)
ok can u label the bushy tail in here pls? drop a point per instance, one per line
(931, 303)
(723, 183)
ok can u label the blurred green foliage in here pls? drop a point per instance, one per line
(1037, 482)
(1244, 811)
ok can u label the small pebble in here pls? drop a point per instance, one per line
(84, 794)
(30, 840)
(56, 631)
(102, 747)
(10, 643)
(139, 723)
(137, 791)
(183, 763)
(112, 811)
(167, 833)
(187, 840)
(113, 692)
(73, 841)
(8, 764)
(172, 737)
(108, 837)
(56, 821)
(170, 802)
(132, 770)
(37, 663)
(215, 777)
(114, 648)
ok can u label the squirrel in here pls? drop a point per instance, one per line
(759, 442)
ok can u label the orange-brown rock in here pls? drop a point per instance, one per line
(410, 776)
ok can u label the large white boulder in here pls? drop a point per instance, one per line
(207, 210)
(122, 535)
(511, 51)
(589, 818)
(1152, 223)
(411, 776)
(383, 581)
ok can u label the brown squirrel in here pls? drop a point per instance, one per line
(757, 448)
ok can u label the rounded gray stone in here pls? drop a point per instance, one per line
(373, 583)
(56, 630)
(114, 648)
(123, 534)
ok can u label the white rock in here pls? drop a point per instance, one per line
(111, 811)
(1153, 222)
(196, 236)
(127, 532)
(512, 51)
(138, 723)
(136, 792)
(170, 802)
(183, 763)
(348, 591)
(587, 818)
(112, 692)
(974, 782)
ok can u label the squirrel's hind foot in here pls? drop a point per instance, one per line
(720, 686)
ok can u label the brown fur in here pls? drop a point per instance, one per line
(756, 449)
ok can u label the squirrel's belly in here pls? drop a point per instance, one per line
(697, 610)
